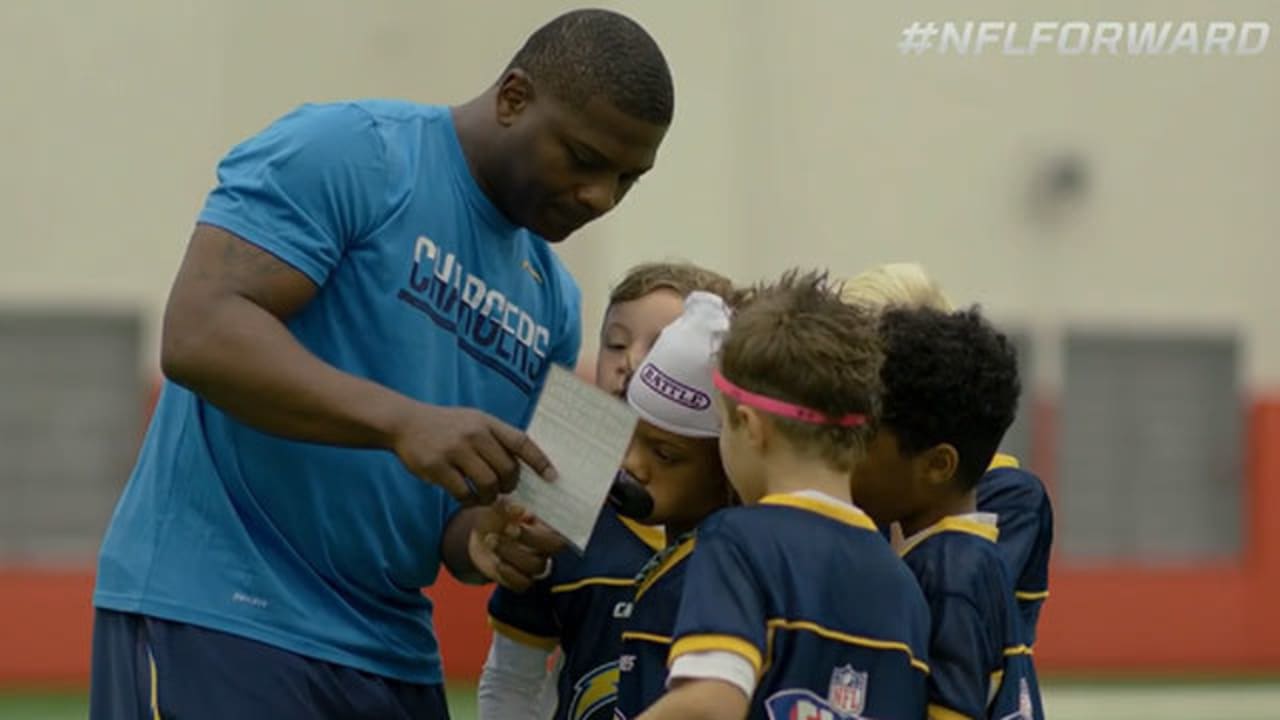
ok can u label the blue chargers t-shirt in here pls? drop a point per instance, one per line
(424, 287)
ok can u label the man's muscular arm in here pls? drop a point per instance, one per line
(224, 338)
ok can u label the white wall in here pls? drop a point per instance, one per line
(801, 137)
(117, 113)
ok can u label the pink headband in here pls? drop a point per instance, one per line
(782, 408)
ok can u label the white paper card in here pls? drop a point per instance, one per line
(584, 431)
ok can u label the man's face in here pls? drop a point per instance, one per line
(567, 166)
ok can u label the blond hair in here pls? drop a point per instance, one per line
(895, 284)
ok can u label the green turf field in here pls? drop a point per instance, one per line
(1221, 700)
(45, 705)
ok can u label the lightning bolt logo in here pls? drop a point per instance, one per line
(533, 272)
(597, 690)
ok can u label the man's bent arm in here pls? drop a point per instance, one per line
(225, 339)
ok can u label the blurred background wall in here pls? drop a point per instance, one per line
(1117, 215)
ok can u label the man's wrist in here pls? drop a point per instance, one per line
(390, 418)
(456, 547)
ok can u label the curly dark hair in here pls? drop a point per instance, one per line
(948, 378)
(795, 340)
(588, 53)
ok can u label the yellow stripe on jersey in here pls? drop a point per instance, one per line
(579, 584)
(708, 643)
(680, 553)
(646, 637)
(938, 712)
(993, 688)
(538, 641)
(655, 538)
(952, 523)
(1031, 595)
(155, 687)
(816, 629)
(846, 514)
(1003, 461)
(1018, 650)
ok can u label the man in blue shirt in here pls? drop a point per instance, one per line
(364, 317)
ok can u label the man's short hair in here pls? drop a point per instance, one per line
(599, 53)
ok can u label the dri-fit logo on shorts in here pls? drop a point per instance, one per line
(489, 327)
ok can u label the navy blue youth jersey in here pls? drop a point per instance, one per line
(580, 607)
(809, 592)
(979, 668)
(646, 637)
(1025, 517)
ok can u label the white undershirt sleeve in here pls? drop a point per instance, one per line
(513, 681)
(715, 665)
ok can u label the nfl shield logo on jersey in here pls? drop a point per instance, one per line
(848, 692)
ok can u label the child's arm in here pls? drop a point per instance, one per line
(700, 699)
(525, 632)
(720, 633)
(513, 673)
(1019, 500)
(961, 660)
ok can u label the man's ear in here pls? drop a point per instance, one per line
(515, 93)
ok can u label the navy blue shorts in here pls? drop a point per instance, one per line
(144, 667)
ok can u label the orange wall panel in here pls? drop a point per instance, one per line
(462, 624)
(46, 622)
(1196, 618)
